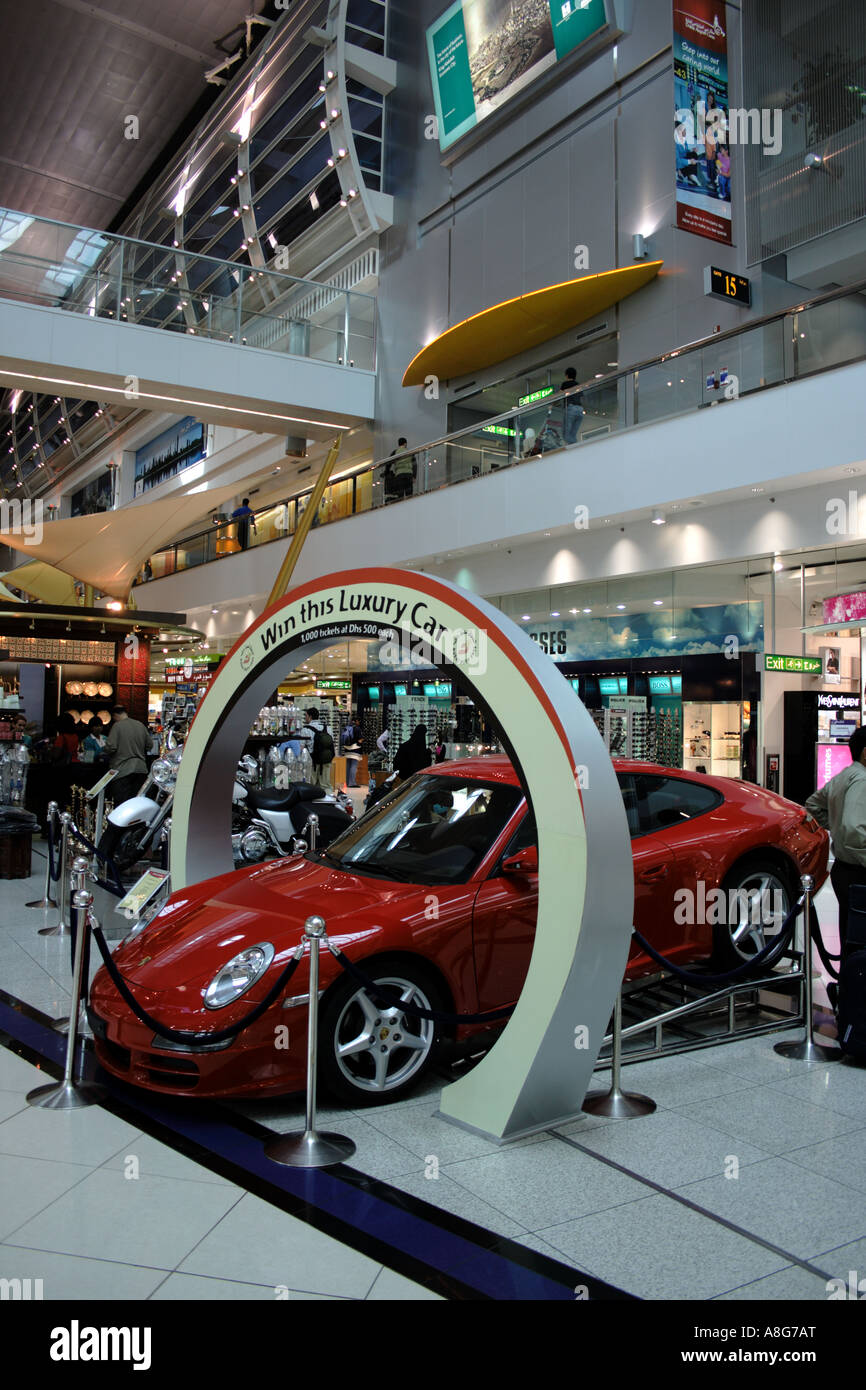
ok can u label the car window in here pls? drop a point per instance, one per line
(664, 802)
(629, 798)
(434, 829)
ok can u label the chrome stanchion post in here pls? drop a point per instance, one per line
(616, 1102)
(62, 928)
(69, 1094)
(77, 884)
(808, 1050)
(311, 1149)
(46, 900)
(313, 826)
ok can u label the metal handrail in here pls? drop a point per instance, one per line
(595, 383)
(168, 251)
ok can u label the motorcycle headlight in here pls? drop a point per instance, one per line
(239, 975)
(163, 772)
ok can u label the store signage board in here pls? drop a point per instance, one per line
(722, 284)
(480, 60)
(838, 701)
(141, 893)
(794, 665)
(542, 1065)
(830, 759)
(334, 685)
(845, 608)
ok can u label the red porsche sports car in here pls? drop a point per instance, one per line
(434, 893)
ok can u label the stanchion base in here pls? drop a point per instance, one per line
(808, 1051)
(43, 903)
(309, 1149)
(60, 930)
(618, 1105)
(63, 1096)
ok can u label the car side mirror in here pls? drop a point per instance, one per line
(526, 862)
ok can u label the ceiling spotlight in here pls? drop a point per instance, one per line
(658, 602)
(525, 618)
(587, 610)
(554, 615)
(621, 607)
(658, 519)
(813, 161)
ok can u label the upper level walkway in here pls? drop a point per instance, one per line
(109, 318)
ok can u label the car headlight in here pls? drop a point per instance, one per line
(239, 975)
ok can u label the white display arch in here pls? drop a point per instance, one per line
(539, 1070)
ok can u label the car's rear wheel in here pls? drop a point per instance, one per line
(371, 1055)
(758, 898)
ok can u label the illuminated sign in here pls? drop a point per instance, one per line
(536, 396)
(798, 665)
(721, 284)
(497, 429)
(483, 54)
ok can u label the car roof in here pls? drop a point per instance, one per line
(497, 767)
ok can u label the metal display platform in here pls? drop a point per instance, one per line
(664, 1015)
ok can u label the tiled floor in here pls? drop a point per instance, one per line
(749, 1180)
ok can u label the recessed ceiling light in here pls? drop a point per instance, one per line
(572, 610)
(658, 602)
(555, 615)
(525, 618)
(658, 519)
(587, 610)
(620, 606)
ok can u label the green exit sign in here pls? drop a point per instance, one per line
(797, 665)
(536, 396)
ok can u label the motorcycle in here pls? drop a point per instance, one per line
(135, 826)
(273, 820)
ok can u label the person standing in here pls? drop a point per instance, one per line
(413, 755)
(126, 746)
(574, 411)
(840, 807)
(321, 747)
(352, 750)
(244, 516)
(401, 473)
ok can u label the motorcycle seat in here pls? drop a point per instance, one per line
(273, 799)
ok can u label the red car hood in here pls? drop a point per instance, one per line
(200, 929)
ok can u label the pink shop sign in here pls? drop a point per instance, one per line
(832, 758)
(845, 608)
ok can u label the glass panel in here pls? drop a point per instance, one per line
(831, 334)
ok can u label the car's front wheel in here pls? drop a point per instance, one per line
(758, 898)
(370, 1055)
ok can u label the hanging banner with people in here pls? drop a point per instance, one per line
(701, 125)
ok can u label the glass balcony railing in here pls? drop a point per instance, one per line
(824, 333)
(101, 275)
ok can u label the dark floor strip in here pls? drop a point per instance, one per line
(694, 1206)
(444, 1253)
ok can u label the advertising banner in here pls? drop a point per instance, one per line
(483, 52)
(701, 147)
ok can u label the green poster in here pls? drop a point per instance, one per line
(449, 61)
(575, 21)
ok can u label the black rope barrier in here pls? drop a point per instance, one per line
(116, 887)
(826, 957)
(386, 997)
(191, 1039)
(739, 972)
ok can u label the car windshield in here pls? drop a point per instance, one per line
(433, 829)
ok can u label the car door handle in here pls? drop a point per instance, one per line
(652, 875)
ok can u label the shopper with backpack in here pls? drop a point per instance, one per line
(321, 746)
